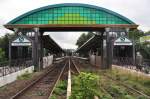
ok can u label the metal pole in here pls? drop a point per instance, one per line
(9, 53)
(134, 57)
(41, 50)
(102, 55)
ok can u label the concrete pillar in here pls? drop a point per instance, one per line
(108, 50)
(35, 50)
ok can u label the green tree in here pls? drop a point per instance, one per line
(143, 48)
(4, 43)
(136, 34)
(147, 33)
(83, 38)
(2, 55)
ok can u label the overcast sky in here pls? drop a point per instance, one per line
(136, 10)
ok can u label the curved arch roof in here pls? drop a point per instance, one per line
(71, 14)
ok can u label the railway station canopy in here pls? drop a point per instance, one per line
(75, 16)
(70, 17)
(50, 44)
(93, 42)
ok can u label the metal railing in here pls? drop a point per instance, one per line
(14, 66)
(127, 62)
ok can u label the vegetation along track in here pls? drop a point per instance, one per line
(43, 87)
(132, 90)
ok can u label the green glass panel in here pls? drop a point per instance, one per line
(71, 15)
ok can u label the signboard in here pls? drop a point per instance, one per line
(122, 41)
(21, 41)
(145, 39)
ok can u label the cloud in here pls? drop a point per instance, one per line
(65, 39)
(3, 30)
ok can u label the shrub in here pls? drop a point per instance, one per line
(85, 86)
(61, 88)
(24, 76)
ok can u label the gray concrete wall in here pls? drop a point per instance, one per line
(95, 60)
(47, 61)
(13, 76)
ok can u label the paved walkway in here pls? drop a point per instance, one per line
(132, 70)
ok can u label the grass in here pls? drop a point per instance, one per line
(60, 89)
(3, 88)
(40, 93)
(139, 82)
(25, 76)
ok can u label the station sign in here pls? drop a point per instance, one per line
(145, 39)
(122, 41)
(21, 41)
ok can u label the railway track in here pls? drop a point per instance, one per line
(43, 87)
(132, 90)
(70, 67)
(73, 67)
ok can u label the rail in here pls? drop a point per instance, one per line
(76, 69)
(43, 79)
(72, 69)
(128, 87)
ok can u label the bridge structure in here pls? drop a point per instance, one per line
(69, 17)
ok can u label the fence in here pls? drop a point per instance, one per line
(14, 66)
(128, 63)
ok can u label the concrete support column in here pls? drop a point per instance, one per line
(35, 50)
(108, 49)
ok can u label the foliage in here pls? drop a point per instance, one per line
(2, 55)
(136, 81)
(141, 97)
(25, 76)
(143, 48)
(147, 33)
(53, 97)
(118, 92)
(85, 86)
(83, 38)
(4, 43)
(40, 93)
(3, 88)
(60, 89)
(136, 34)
